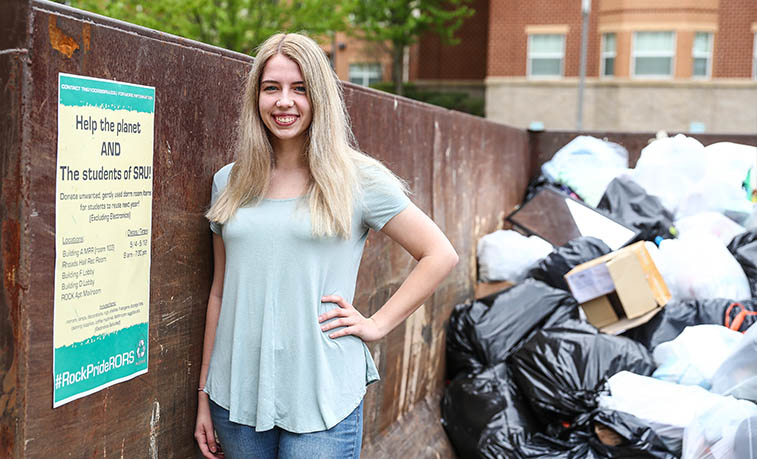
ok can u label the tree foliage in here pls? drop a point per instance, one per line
(239, 25)
(400, 23)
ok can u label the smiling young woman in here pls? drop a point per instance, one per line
(285, 364)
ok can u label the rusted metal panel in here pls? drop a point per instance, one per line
(465, 172)
(545, 144)
(195, 113)
(399, 133)
(13, 74)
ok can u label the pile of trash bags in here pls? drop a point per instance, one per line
(529, 377)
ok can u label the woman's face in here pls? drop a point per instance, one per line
(283, 100)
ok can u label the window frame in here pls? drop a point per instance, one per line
(707, 55)
(607, 54)
(672, 55)
(561, 56)
(364, 73)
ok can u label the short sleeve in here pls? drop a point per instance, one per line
(220, 179)
(383, 198)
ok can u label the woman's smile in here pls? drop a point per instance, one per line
(285, 120)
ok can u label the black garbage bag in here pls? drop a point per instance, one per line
(516, 314)
(667, 324)
(485, 401)
(628, 202)
(503, 445)
(551, 269)
(744, 249)
(460, 352)
(638, 439)
(480, 336)
(632, 439)
(536, 185)
(562, 369)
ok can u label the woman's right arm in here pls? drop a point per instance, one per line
(204, 426)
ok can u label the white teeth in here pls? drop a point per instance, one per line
(285, 119)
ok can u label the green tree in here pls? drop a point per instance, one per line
(397, 24)
(239, 25)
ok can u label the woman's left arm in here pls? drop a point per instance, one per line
(422, 239)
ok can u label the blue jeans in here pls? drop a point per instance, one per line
(240, 441)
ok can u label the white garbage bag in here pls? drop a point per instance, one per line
(732, 159)
(693, 357)
(727, 430)
(700, 267)
(587, 165)
(737, 375)
(666, 407)
(507, 255)
(710, 222)
(670, 168)
(727, 166)
(690, 178)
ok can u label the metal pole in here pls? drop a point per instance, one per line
(585, 10)
(333, 50)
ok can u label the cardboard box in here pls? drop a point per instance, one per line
(620, 290)
(487, 288)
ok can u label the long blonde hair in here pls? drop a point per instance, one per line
(335, 165)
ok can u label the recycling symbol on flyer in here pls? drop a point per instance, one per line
(141, 348)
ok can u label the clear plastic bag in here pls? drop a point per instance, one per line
(670, 167)
(690, 178)
(728, 164)
(694, 356)
(712, 223)
(727, 430)
(737, 375)
(700, 267)
(587, 164)
(668, 408)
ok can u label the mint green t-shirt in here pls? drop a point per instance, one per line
(271, 364)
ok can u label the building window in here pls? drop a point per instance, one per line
(652, 55)
(702, 55)
(608, 55)
(365, 74)
(545, 55)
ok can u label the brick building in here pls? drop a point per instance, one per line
(464, 64)
(679, 65)
(358, 61)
